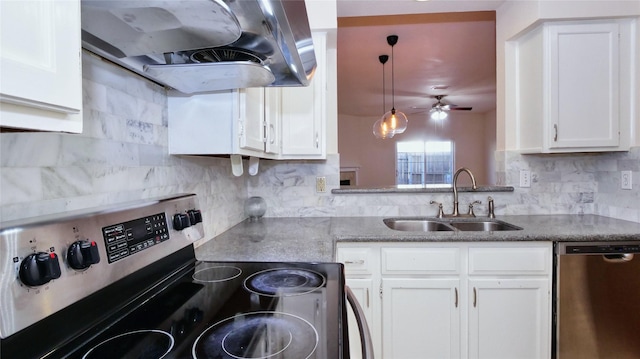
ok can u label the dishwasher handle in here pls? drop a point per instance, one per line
(618, 258)
(365, 336)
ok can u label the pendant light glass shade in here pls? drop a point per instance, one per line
(397, 120)
(382, 130)
(438, 114)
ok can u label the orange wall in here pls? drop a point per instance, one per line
(473, 135)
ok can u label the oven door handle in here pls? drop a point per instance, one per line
(365, 336)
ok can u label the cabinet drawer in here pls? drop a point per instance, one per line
(510, 260)
(356, 260)
(420, 260)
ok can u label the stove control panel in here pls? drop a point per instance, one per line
(50, 262)
(124, 239)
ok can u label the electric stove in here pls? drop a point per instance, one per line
(124, 282)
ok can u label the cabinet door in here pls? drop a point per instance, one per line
(304, 111)
(362, 288)
(41, 86)
(583, 85)
(509, 318)
(252, 110)
(421, 318)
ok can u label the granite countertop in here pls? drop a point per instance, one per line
(313, 239)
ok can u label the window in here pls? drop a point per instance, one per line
(424, 163)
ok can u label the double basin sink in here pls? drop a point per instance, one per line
(448, 224)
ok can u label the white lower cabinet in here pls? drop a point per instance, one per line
(509, 318)
(454, 300)
(420, 318)
(363, 290)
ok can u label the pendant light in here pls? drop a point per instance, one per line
(381, 128)
(396, 120)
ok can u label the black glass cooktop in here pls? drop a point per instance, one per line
(234, 310)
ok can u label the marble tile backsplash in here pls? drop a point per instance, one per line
(121, 156)
(561, 184)
(574, 183)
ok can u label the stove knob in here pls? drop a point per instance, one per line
(195, 216)
(39, 268)
(181, 221)
(82, 254)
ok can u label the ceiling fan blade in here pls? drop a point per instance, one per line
(459, 108)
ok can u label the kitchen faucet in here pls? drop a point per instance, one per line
(455, 192)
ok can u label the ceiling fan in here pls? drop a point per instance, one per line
(447, 107)
(438, 109)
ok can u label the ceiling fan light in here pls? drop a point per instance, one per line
(438, 115)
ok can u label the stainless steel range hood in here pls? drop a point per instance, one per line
(204, 45)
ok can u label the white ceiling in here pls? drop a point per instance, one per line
(435, 48)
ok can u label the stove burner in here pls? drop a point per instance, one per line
(217, 274)
(258, 335)
(140, 344)
(283, 282)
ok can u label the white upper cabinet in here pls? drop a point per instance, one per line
(304, 111)
(232, 122)
(272, 122)
(572, 89)
(41, 87)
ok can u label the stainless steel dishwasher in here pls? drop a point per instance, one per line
(597, 300)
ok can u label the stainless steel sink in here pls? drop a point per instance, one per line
(448, 224)
(416, 225)
(484, 226)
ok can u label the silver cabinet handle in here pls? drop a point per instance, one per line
(365, 336)
(368, 298)
(317, 140)
(555, 136)
(272, 134)
(456, 297)
(359, 261)
(475, 297)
